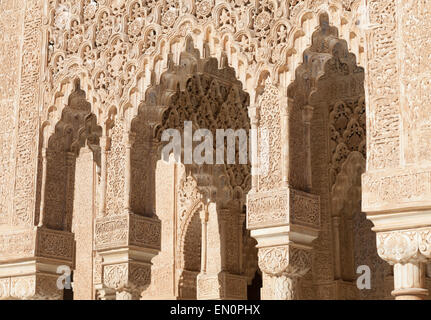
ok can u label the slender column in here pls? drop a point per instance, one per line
(129, 139)
(409, 281)
(254, 120)
(43, 187)
(240, 239)
(224, 221)
(104, 146)
(336, 228)
(70, 161)
(307, 115)
(286, 287)
(284, 115)
(204, 221)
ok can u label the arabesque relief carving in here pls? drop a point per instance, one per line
(331, 94)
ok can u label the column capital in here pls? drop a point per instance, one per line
(29, 262)
(105, 143)
(404, 246)
(129, 138)
(127, 279)
(284, 261)
(204, 213)
(408, 251)
(253, 113)
(70, 158)
(307, 114)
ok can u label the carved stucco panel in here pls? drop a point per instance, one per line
(28, 117)
(383, 86)
(11, 23)
(401, 188)
(270, 140)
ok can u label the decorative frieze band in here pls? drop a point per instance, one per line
(17, 245)
(281, 207)
(33, 243)
(127, 230)
(396, 190)
(35, 287)
(55, 244)
(111, 232)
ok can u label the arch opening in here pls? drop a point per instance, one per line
(327, 116)
(72, 157)
(198, 94)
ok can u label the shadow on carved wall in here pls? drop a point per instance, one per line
(327, 116)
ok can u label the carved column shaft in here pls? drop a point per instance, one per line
(336, 228)
(204, 221)
(129, 139)
(254, 117)
(240, 240)
(286, 288)
(67, 217)
(307, 115)
(409, 280)
(104, 146)
(45, 154)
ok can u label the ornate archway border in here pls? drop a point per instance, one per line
(220, 42)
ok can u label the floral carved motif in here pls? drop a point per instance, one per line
(405, 245)
(270, 138)
(285, 260)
